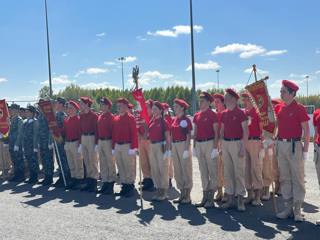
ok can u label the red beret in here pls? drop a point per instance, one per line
(86, 100)
(290, 84)
(165, 106)
(206, 96)
(218, 95)
(74, 104)
(276, 101)
(123, 100)
(106, 101)
(233, 93)
(181, 102)
(158, 105)
(149, 102)
(245, 95)
(130, 106)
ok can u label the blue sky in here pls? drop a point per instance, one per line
(281, 37)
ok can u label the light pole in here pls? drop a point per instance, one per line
(218, 71)
(122, 59)
(48, 48)
(193, 91)
(307, 80)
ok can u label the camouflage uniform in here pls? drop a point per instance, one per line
(45, 140)
(15, 140)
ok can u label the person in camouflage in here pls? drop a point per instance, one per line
(60, 116)
(15, 144)
(30, 143)
(46, 149)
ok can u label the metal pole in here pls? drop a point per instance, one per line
(307, 78)
(121, 59)
(193, 92)
(218, 71)
(48, 49)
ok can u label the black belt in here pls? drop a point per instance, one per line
(205, 140)
(88, 134)
(232, 139)
(122, 143)
(72, 140)
(293, 142)
(254, 138)
(318, 144)
(155, 142)
(104, 139)
(177, 141)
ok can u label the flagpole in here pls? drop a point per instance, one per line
(48, 48)
(193, 91)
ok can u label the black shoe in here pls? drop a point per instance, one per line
(47, 181)
(148, 185)
(59, 183)
(93, 186)
(32, 180)
(124, 190)
(130, 191)
(77, 184)
(87, 184)
(104, 188)
(110, 190)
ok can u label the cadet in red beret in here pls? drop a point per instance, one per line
(125, 144)
(292, 150)
(72, 133)
(254, 153)
(88, 146)
(206, 148)
(181, 153)
(160, 151)
(234, 132)
(218, 104)
(316, 158)
(107, 163)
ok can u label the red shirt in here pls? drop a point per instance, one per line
(105, 121)
(124, 130)
(232, 121)
(219, 115)
(179, 133)
(71, 128)
(204, 122)
(157, 129)
(88, 123)
(316, 123)
(290, 118)
(277, 107)
(168, 118)
(253, 123)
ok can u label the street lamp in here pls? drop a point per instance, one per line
(218, 71)
(193, 91)
(48, 48)
(122, 59)
(307, 80)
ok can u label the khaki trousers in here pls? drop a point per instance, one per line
(75, 160)
(126, 164)
(220, 171)
(275, 166)
(5, 160)
(254, 162)
(170, 168)
(107, 161)
(267, 172)
(144, 149)
(182, 167)
(316, 159)
(159, 166)
(234, 168)
(208, 166)
(291, 167)
(90, 157)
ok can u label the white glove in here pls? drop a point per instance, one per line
(113, 152)
(167, 154)
(35, 150)
(214, 153)
(131, 152)
(194, 152)
(80, 149)
(305, 156)
(96, 148)
(262, 154)
(185, 154)
(50, 146)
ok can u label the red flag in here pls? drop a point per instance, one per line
(139, 97)
(47, 109)
(4, 115)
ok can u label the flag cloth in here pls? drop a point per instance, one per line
(262, 102)
(4, 115)
(139, 98)
(47, 109)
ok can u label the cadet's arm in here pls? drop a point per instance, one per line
(306, 135)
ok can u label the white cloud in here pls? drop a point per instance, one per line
(65, 54)
(238, 86)
(260, 71)
(246, 50)
(110, 63)
(129, 59)
(92, 71)
(150, 76)
(176, 31)
(207, 85)
(141, 38)
(318, 51)
(101, 34)
(317, 72)
(59, 80)
(3, 80)
(275, 52)
(93, 85)
(178, 83)
(210, 65)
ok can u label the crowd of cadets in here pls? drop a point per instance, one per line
(231, 150)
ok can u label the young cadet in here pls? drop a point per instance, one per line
(316, 143)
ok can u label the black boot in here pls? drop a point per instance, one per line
(86, 185)
(104, 188)
(48, 180)
(148, 185)
(71, 183)
(124, 190)
(130, 191)
(93, 186)
(33, 179)
(18, 177)
(110, 190)
(59, 183)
